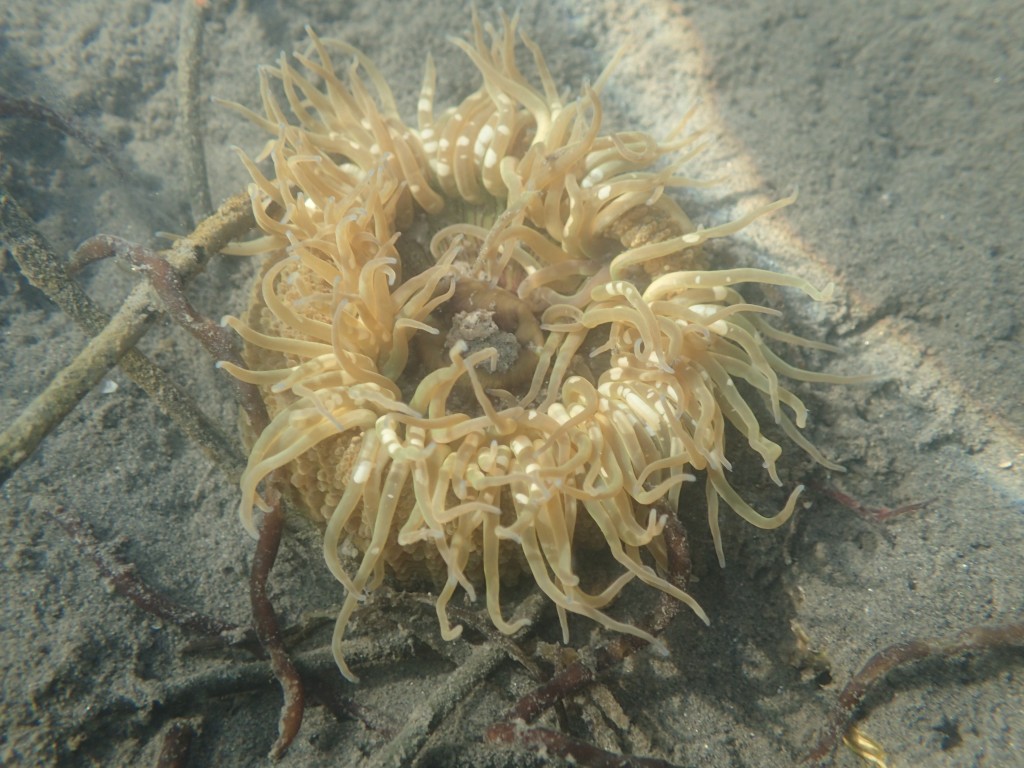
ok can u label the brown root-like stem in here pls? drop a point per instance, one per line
(126, 582)
(874, 514)
(269, 631)
(219, 343)
(167, 283)
(176, 744)
(846, 711)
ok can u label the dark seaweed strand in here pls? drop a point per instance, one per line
(218, 341)
(176, 744)
(269, 631)
(220, 344)
(847, 709)
(126, 582)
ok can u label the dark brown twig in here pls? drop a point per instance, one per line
(177, 742)
(269, 631)
(168, 283)
(126, 582)
(847, 707)
(874, 514)
(220, 344)
(217, 340)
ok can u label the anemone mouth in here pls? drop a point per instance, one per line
(491, 340)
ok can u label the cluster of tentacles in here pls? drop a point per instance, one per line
(525, 381)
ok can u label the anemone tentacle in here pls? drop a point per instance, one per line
(530, 378)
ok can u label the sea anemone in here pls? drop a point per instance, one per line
(490, 342)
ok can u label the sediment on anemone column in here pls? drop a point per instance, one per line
(489, 340)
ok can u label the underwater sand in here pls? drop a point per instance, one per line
(899, 122)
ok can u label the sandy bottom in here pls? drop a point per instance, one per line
(899, 124)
